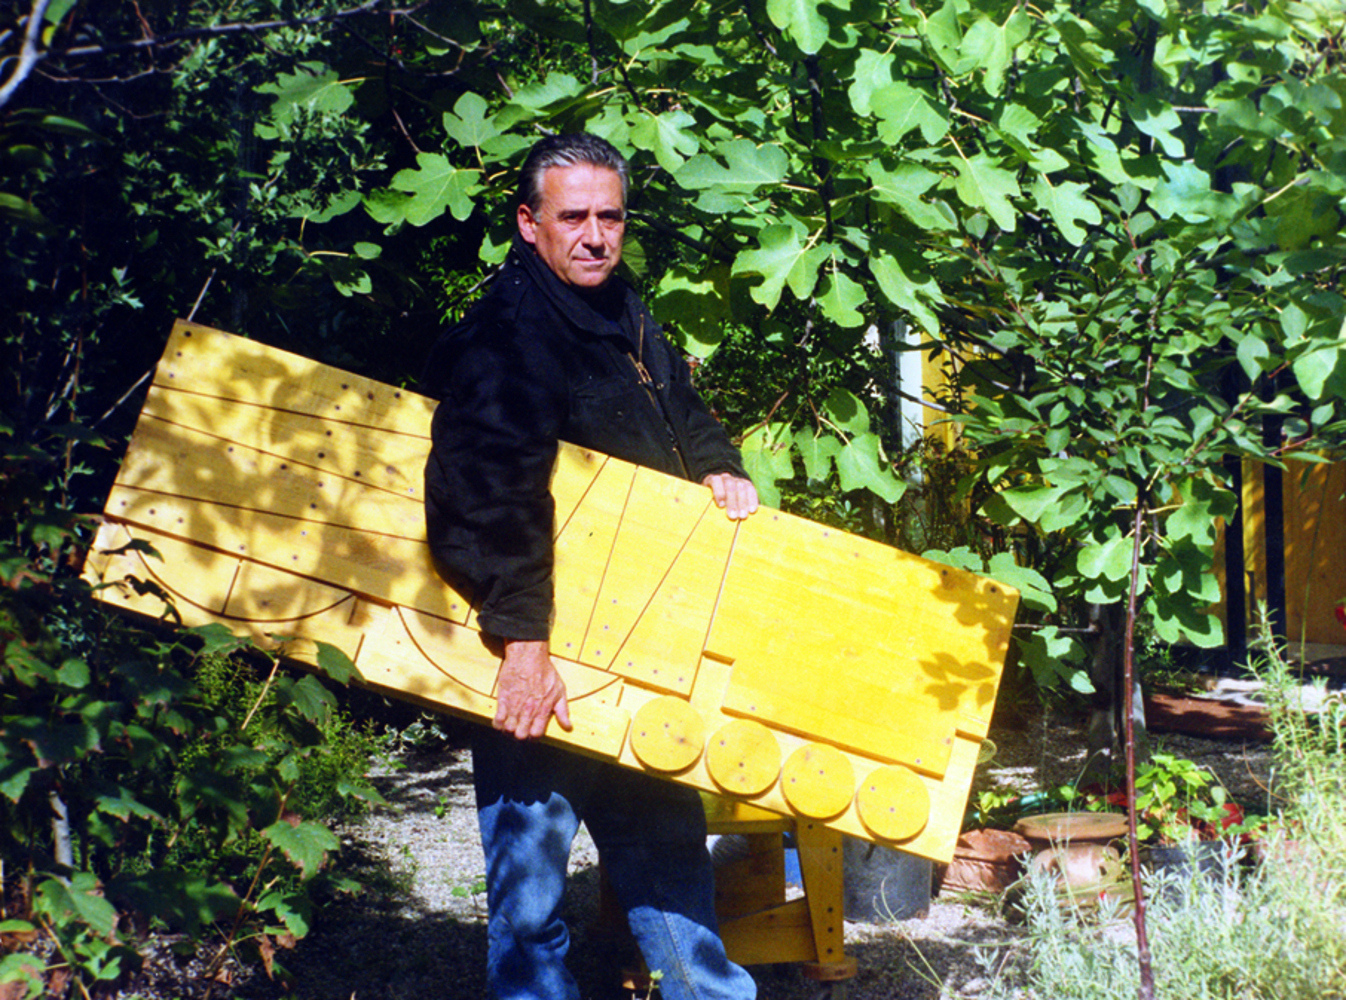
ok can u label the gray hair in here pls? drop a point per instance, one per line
(568, 151)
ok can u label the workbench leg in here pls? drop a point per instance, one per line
(820, 866)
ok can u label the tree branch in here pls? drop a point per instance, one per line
(589, 38)
(28, 56)
(663, 227)
(822, 167)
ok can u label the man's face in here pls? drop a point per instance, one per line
(579, 223)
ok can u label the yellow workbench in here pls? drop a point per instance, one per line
(812, 673)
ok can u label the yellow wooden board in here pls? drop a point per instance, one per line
(796, 667)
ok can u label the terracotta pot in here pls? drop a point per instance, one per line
(1079, 868)
(1052, 829)
(1076, 847)
(985, 861)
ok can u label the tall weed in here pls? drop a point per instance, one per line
(1274, 932)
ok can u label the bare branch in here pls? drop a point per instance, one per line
(659, 225)
(28, 54)
(589, 36)
(822, 167)
(233, 28)
(401, 127)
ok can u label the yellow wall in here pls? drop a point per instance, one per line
(1315, 547)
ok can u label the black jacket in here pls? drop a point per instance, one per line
(532, 364)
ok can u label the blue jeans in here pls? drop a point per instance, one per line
(651, 836)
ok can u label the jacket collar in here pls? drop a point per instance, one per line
(611, 311)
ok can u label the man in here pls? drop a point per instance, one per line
(562, 349)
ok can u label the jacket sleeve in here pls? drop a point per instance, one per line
(706, 444)
(489, 509)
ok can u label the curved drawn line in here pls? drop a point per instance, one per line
(238, 618)
(431, 660)
(460, 682)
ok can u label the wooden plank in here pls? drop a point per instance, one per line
(753, 881)
(375, 636)
(782, 934)
(392, 459)
(664, 619)
(820, 866)
(1314, 500)
(583, 552)
(576, 471)
(387, 567)
(224, 471)
(931, 680)
(653, 529)
(198, 358)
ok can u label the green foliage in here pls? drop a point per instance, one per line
(1177, 800)
(1255, 937)
(1309, 726)
(147, 775)
(1121, 226)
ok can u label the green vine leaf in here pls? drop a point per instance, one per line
(314, 88)
(304, 843)
(1069, 204)
(841, 299)
(670, 136)
(82, 899)
(747, 167)
(1110, 560)
(468, 124)
(333, 662)
(766, 457)
(901, 108)
(860, 465)
(433, 187)
(818, 452)
(903, 187)
(990, 46)
(900, 279)
(780, 259)
(800, 21)
(983, 183)
(844, 409)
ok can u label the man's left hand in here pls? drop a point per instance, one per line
(737, 497)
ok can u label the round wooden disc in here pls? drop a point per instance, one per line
(818, 781)
(894, 803)
(743, 757)
(667, 734)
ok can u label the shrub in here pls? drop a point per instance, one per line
(146, 772)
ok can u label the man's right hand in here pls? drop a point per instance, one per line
(529, 691)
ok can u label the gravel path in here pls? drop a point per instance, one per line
(419, 932)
